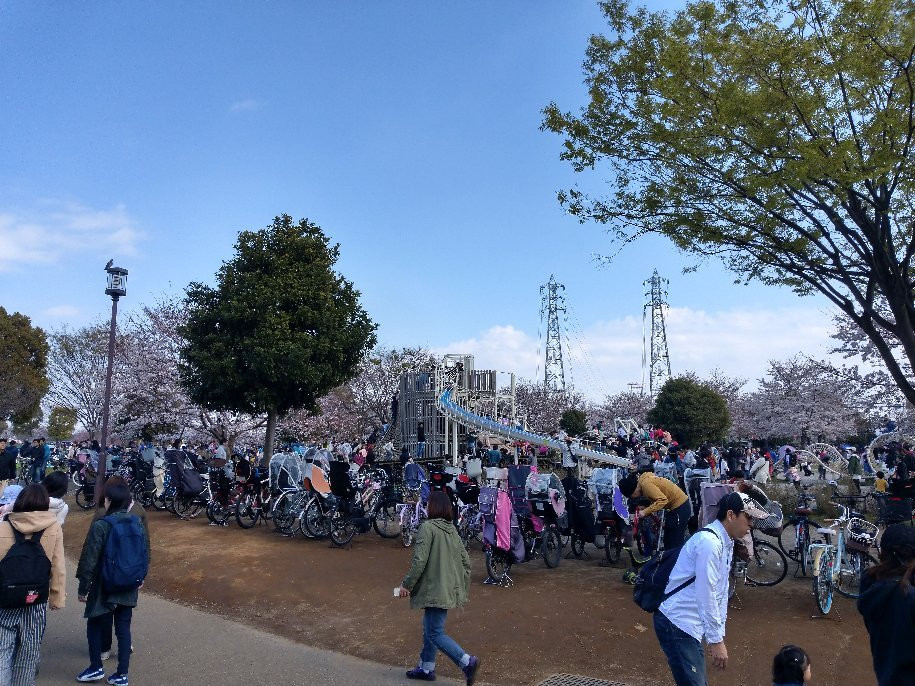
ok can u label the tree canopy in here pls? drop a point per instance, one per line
(573, 422)
(775, 135)
(691, 411)
(279, 330)
(61, 423)
(23, 367)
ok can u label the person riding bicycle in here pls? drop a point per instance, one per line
(664, 495)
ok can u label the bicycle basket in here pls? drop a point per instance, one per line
(861, 534)
(771, 525)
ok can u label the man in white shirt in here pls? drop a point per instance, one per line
(696, 608)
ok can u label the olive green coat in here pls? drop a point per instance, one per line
(89, 572)
(440, 573)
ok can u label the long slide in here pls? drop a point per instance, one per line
(451, 409)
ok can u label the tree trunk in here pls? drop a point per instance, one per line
(271, 429)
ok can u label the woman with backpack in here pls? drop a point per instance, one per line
(438, 581)
(32, 577)
(135, 509)
(111, 570)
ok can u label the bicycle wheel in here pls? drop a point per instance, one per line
(246, 513)
(77, 477)
(768, 566)
(613, 546)
(822, 583)
(852, 572)
(342, 529)
(497, 564)
(283, 512)
(218, 513)
(85, 497)
(577, 545)
(316, 523)
(551, 547)
(786, 541)
(647, 537)
(186, 507)
(385, 521)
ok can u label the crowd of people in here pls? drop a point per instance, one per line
(689, 622)
(33, 570)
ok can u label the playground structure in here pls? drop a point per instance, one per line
(455, 398)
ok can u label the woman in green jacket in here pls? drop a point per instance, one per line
(104, 606)
(438, 581)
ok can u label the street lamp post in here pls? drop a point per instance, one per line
(117, 288)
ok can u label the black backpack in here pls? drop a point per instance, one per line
(651, 581)
(25, 572)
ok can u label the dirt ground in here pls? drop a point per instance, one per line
(578, 618)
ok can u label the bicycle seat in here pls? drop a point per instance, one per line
(803, 511)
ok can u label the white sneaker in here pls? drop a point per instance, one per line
(106, 655)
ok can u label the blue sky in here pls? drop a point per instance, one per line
(153, 133)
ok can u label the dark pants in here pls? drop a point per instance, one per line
(675, 523)
(98, 627)
(684, 653)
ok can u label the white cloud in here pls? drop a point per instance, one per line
(246, 105)
(606, 356)
(62, 311)
(60, 230)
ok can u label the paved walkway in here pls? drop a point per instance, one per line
(178, 645)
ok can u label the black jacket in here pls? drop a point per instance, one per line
(7, 465)
(889, 615)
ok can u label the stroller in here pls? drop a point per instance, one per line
(612, 519)
(693, 480)
(347, 517)
(580, 509)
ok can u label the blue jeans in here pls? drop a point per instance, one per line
(684, 653)
(435, 639)
(38, 468)
(97, 627)
(420, 449)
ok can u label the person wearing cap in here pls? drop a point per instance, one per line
(698, 611)
(887, 603)
(664, 494)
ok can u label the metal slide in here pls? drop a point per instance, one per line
(451, 409)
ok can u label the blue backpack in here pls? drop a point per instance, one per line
(653, 577)
(125, 562)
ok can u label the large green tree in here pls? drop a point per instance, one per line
(691, 411)
(280, 329)
(774, 134)
(23, 367)
(61, 423)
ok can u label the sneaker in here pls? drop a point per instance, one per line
(421, 674)
(106, 654)
(89, 674)
(118, 679)
(470, 671)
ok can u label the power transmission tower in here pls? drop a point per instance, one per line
(552, 302)
(658, 366)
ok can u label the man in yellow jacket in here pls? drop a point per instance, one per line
(664, 494)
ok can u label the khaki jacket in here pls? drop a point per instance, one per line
(52, 540)
(663, 493)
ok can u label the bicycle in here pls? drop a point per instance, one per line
(841, 566)
(798, 550)
(767, 566)
(255, 502)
